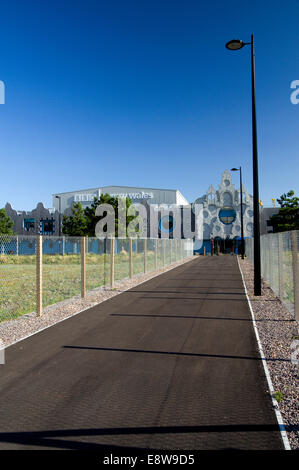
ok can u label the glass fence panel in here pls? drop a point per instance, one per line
(279, 264)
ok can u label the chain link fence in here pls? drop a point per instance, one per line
(280, 265)
(38, 271)
(17, 276)
(61, 269)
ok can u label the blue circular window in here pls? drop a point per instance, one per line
(227, 216)
(166, 224)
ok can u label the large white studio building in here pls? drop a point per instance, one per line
(64, 201)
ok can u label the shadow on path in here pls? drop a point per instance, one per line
(216, 356)
(53, 438)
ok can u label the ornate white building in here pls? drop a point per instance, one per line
(221, 211)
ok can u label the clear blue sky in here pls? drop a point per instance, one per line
(144, 93)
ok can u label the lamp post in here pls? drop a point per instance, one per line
(241, 210)
(59, 199)
(234, 45)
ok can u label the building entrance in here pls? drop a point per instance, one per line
(223, 246)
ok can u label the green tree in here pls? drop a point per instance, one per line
(92, 219)
(75, 225)
(83, 221)
(288, 215)
(6, 223)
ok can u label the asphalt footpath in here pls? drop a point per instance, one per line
(170, 364)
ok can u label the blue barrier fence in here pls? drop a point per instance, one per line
(22, 245)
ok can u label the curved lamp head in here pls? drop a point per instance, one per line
(234, 169)
(234, 44)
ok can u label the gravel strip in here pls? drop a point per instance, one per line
(15, 330)
(277, 329)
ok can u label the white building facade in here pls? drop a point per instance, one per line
(63, 201)
(222, 211)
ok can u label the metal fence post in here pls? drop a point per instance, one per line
(280, 265)
(83, 266)
(295, 234)
(145, 254)
(163, 245)
(131, 257)
(156, 254)
(112, 245)
(39, 275)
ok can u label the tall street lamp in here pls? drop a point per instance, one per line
(234, 45)
(241, 210)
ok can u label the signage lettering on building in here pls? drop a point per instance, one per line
(141, 195)
(84, 197)
(90, 197)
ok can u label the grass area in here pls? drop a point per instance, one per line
(61, 277)
(17, 290)
(91, 258)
